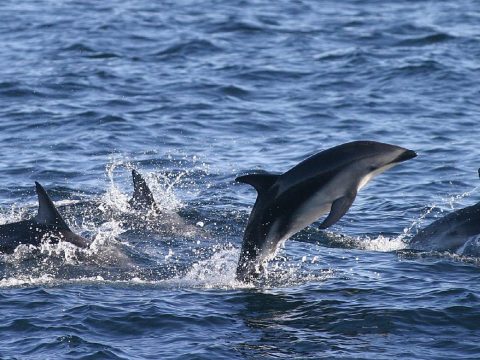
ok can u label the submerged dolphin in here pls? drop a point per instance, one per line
(48, 224)
(325, 182)
(451, 232)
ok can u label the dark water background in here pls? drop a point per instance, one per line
(192, 93)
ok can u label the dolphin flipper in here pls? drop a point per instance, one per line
(142, 195)
(261, 182)
(339, 208)
(47, 212)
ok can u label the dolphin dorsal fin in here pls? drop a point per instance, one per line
(47, 212)
(261, 182)
(142, 195)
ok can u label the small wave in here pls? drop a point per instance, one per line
(237, 26)
(420, 67)
(339, 54)
(234, 91)
(112, 119)
(103, 55)
(273, 74)
(426, 40)
(189, 48)
(53, 280)
(18, 91)
(78, 47)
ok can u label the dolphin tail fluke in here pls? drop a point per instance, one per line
(142, 195)
(47, 212)
(339, 208)
(261, 182)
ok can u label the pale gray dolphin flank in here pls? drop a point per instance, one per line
(48, 224)
(325, 182)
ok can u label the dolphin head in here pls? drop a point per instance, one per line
(379, 157)
(381, 154)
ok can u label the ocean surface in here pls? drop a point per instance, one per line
(192, 94)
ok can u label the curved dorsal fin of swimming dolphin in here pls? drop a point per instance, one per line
(48, 224)
(326, 182)
(142, 195)
(47, 212)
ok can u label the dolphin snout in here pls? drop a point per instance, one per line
(406, 155)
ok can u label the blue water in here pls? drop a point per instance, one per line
(193, 93)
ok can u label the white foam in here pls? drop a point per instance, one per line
(382, 243)
(219, 271)
(162, 187)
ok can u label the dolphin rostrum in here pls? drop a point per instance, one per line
(47, 225)
(325, 182)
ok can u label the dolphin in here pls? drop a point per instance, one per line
(451, 232)
(326, 182)
(47, 224)
(152, 217)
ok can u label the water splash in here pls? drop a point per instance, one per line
(449, 201)
(382, 243)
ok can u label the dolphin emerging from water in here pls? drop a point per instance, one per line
(142, 198)
(451, 232)
(148, 215)
(325, 182)
(47, 225)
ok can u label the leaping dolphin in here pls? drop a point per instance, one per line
(48, 224)
(325, 182)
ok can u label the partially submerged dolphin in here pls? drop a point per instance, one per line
(148, 215)
(325, 182)
(142, 198)
(451, 232)
(47, 225)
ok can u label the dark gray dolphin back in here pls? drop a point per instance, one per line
(142, 195)
(331, 160)
(47, 212)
